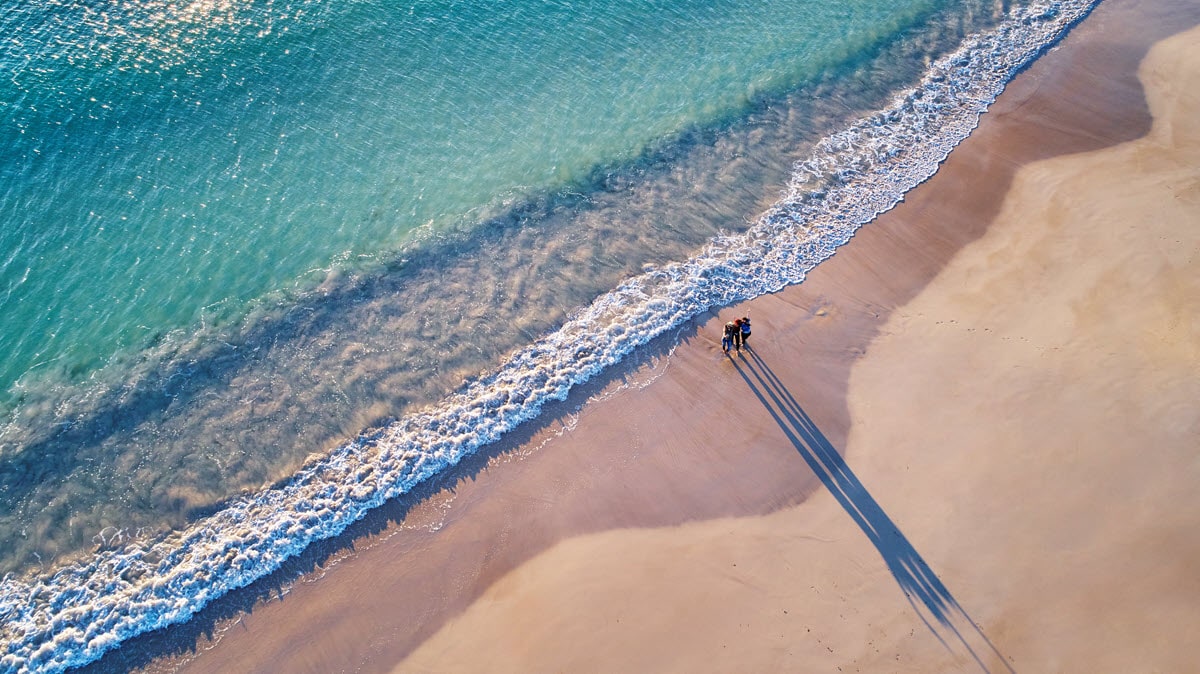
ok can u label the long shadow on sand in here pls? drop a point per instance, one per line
(921, 586)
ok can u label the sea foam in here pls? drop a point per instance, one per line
(77, 614)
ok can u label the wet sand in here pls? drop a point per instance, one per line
(1008, 363)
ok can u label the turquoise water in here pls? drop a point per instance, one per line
(238, 233)
(267, 264)
(170, 163)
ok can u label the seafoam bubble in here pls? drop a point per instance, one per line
(76, 615)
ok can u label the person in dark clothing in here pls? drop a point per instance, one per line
(745, 328)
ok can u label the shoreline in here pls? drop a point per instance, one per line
(666, 462)
(1025, 502)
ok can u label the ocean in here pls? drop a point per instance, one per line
(266, 264)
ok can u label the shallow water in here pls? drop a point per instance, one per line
(171, 162)
(281, 224)
(183, 433)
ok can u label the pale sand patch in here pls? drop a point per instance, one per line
(1051, 380)
(1029, 421)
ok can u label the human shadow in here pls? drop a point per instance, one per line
(920, 584)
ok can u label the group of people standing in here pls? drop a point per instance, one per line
(737, 333)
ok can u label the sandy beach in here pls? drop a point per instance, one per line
(967, 442)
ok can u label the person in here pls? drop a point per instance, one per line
(727, 339)
(745, 327)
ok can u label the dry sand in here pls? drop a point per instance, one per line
(1009, 362)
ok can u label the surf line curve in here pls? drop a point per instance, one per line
(77, 614)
